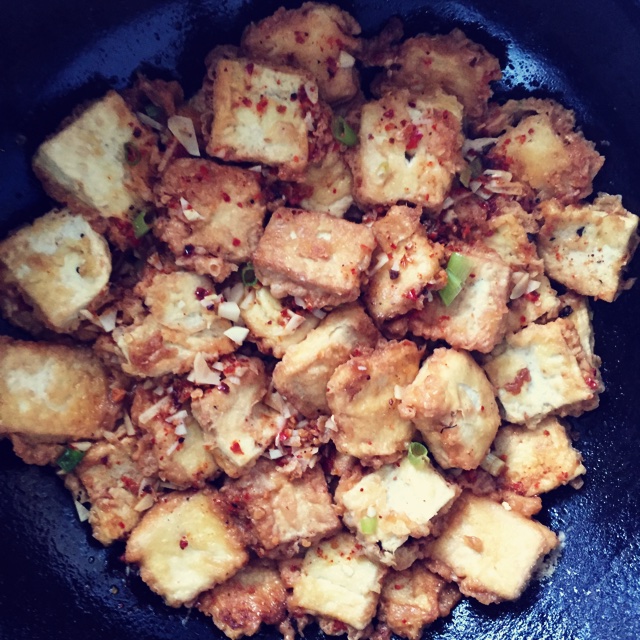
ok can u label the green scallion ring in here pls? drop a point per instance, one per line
(70, 459)
(458, 270)
(140, 226)
(368, 525)
(248, 275)
(417, 454)
(343, 133)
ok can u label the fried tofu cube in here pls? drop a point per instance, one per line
(409, 149)
(317, 37)
(274, 327)
(453, 405)
(451, 62)
(414, 598)
(115, 486)
(537, 459)
(214, 215)
(401, 498)
(586, 247)
(410, 264)
(324, 261)
(174, 327)
(54, 393)
(85, 164)
(362, 397)
(541, 148)
(476, 319)
(489, 551)
(542, 302)
(252, 597)
(265, 114)
(185, 544)
(284, 514)
(236, 425)
(542, 370)
(338, 582)
(59, 265)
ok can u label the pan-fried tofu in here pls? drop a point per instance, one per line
(476, 319)
(394, 502)
(314, 256)
(362, 397)
(586, 246)
(85, 164)
(54, 393)
(537, 459)
(237, 427)
(542, 302)
(414, 598)
(254, 596)
(214, 215)
(284, 514)
(303, 373)
(317, 37)
(337, 581)
(59, 265)
(273, 326)
(115, 486)
(185, 544)
(266, 114)
(489, 551)
(410, 264)
(409, 149)
(453, 405)
(176, 326)
(175, 441)
(540, 148)
(543, 370)
(450, 62)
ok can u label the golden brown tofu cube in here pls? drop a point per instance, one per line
(362, 397)
(54, 393)
(317, 37)
(314, 256)
(59, 265)
(543, 370)
(410, 265)
(214, 215)
(586, 247)
(409, 149)
(185, 544)
(414, 598)
(284, 514)
(85, 164)
(336, 581)
(489, 551)
(451, 62)
(537, 459)
(541, 148)
(265, 114)
(254, 596)
(452, 404)
(303, 374)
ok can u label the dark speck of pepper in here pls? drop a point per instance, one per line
(565, 311)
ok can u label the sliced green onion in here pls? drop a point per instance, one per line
(153, 111)
(248, 275)
(417, 454)
(368, 525)
(342, 132)
(70, 459)
(458, 270)
(140, 226)
(132, 154)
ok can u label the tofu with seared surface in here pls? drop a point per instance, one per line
(186, 544)
(58, 265)
(325, 258)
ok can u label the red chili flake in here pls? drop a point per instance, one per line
(414, 138)
(201, 293)
(130, 484)
(261, 107)
(523, 320)
(515, 386)
(184, 543)
(246, 101)
(546, 432)
(427, 61)
(532, 296)
(521, 139)
(121, 525)
(531, 131)
(389, 113)
(332, 67)
(236, 448)
(356, 352)
(281, 108)
(240, 205)
(397, 586)
(203, 171)
(411, 295)
(390, 126)
(223, 387)
(236, 242)
(225, 196)
(592, 383)
(249, 68)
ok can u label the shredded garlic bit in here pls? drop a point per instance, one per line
(184, 131)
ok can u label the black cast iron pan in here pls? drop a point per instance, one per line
(56, 582)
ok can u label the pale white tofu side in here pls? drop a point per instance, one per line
(338, 582)
(185, 545)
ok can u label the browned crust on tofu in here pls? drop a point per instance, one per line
(324, 261)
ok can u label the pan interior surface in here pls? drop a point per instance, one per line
(56, 582)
